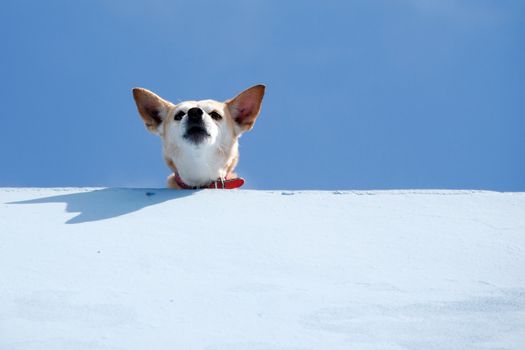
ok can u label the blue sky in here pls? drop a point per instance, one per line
(360, 94)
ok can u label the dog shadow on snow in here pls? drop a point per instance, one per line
(95, 205)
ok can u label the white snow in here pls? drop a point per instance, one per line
(260, 270)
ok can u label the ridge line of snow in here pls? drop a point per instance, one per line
(445, 192)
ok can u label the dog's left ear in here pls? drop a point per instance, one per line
(152, 108)
(246, 107)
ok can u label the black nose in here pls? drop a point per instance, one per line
(194, 114)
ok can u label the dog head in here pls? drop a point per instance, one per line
(200, 137)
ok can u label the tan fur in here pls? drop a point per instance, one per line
(150, 107)
(238, 116)
(171, 183)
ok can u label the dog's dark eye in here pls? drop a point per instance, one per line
(179, 115)
(215, 115)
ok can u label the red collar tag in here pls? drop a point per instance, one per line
(227, 184)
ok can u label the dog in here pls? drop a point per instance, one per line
(200, 138)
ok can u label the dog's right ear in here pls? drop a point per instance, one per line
(152, 108)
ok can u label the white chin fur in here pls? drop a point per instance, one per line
(199, 164)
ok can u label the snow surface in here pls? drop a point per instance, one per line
(260, 270)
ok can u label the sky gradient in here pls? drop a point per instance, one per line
(360, 94)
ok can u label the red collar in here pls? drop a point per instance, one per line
(227, 183)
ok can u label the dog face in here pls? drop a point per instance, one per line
(199, 138)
